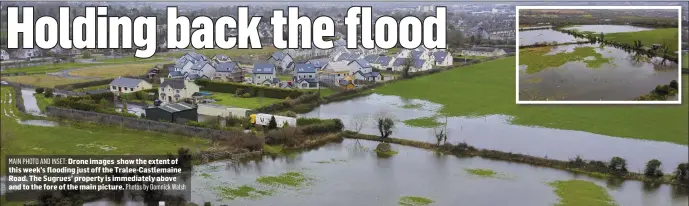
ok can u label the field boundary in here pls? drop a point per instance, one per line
(242, 139)
(463, 149)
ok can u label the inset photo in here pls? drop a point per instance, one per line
(598, 55)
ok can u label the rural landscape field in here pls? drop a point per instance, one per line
(260, 131)
(598, 55)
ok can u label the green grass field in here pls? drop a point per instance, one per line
(537, 60)
(648, 38)
(685, 60)
(581, 193)
(43, 80)
(488, 88)
(42, 101)
(246, 103)
(73, 139)
(46, 68)
(115, 70)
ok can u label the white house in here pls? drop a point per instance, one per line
(318, 63)
(281, 60)
(335, 71)
(370, 76)
(174, 90)
(203, 69)
(128, 85)
(442, 58)
(264, 74)
(416, 65)
(383, 63)
(27, 53)
(4, 55)
(308, 83)
(360, 65)
(483, 51)
(304, 71)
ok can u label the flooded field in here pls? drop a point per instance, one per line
(614, 75)
(608, 28)
(532, 37)
(350, 174)
(495, 132)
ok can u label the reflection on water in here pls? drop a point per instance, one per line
(545, 36)
(626, 77)
(44, 123)
(363, 179)
(30, 102)
(495, 132)
(132, 108)
(608, 28)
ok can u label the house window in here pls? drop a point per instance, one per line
(114, 87)
(177, 91)
(131, 89)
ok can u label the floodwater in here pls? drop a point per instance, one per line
(608, 28)
(355, 176)
(532, 37)
(624, 78)
(350, 173)
(30, 102)
(495, 132)
(132, 108)
(44, 123)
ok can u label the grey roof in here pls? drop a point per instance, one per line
(272, 81)
(309, 80)
(362, 62)
(175, 73)
(418, 63)
(372, 74)
(371, 58)
(227, 67)
(181, 62)
(353, 57)
(193, 76)
(399, 61)
(177, 107)
(340, 42)
(199, 65)
(264, 68)
(416, 54)
(343, 82)
(174, 83)
(318, 63)
(125, 82)
(196, 57)
(278, 55)
(305, 68)
(343, 56)
(384, 60)
(440, 56)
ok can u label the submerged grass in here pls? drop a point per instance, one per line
(481, 172)
(274, 149)
(581, 193)
(536, 59)
(648, 37)
(243, 191)
(414, 201)
(290, 179)
(412, 106)
(425, 122)
(488, 88)
(333, 160)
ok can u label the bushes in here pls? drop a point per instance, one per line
(84, 84)
(48, 93)
(682, 172)
(618, 166)
(303, 121)
(333, 126)
(253, 90)
(653, 169)
(39, 90)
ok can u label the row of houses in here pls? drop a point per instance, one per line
(192, 66)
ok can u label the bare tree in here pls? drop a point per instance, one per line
(440, 133)
(359, 122)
